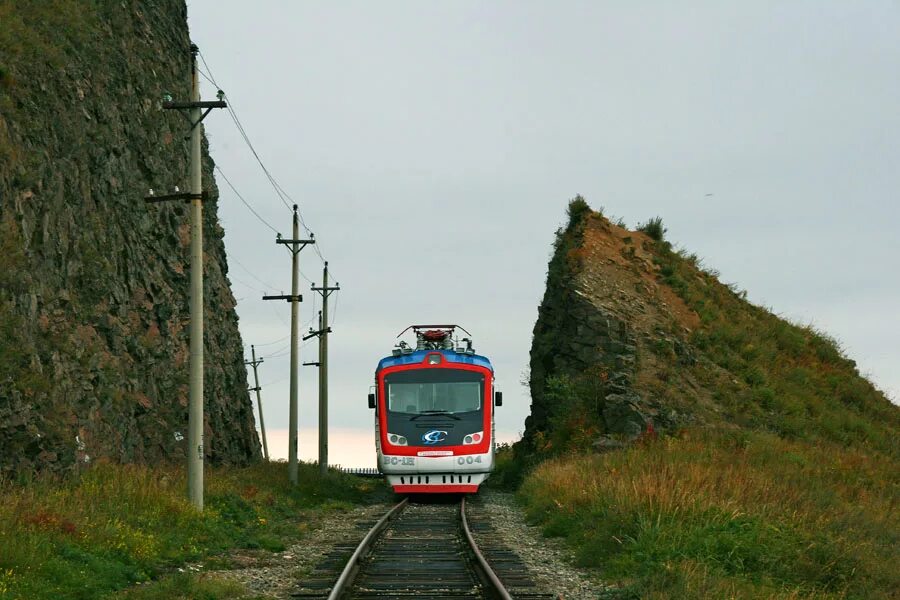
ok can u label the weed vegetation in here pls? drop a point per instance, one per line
(116, 525)
(793, 380)
(654, 228)
(786, 486)
(727, 514)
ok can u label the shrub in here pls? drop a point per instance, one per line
(577, 210)
(654, 228)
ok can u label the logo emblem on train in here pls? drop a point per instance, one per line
(437, 381)
(434, 436)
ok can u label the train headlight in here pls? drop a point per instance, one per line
(473, 438)
(397, 440)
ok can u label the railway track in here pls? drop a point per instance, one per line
(427, 551)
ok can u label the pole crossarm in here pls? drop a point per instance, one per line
(207, 104)
(286, 241)
(316, 333)
(312, 364)
(288, 297)
(185, 196)
(295, 245)
(201, 104)
(325, 291)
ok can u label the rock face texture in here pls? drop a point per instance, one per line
(94, 281)
(634, 338)
(609, 326)
(586, 330)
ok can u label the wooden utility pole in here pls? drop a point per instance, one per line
(194, 196)
(323, 457)
(257, 388)
(295, 245)
(323, 332)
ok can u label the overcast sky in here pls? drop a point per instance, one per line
(432, 147)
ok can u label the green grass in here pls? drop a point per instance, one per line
(716, 514)
(113, 526)
(183, 586)
(790, 379)
(187, 587)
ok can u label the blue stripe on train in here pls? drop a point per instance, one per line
(449, 355)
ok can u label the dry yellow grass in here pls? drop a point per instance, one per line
(716, 514)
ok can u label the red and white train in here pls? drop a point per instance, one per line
(434, 413)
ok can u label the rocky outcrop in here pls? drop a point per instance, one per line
(601, 318)
(634, 337)
(93, 281)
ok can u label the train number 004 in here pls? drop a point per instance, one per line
(468, 460)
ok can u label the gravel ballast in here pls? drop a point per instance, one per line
(275, 575)
(547, 559)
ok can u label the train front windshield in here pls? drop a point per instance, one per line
(430, 391)
(435, 407)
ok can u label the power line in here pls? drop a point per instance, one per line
(205, 76)
(282, 194)
(280, 317)
(278, 191)
(247, 204)
(268, 286)
(278, 352)
(285, 350)
(274, 341)
(334, 314)
(244, 283)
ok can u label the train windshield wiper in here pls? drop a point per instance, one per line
(429, 413)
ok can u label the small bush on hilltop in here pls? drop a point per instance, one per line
(578, 208)
(654, 228)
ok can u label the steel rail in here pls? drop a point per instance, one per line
(346, 579)
(495, 582)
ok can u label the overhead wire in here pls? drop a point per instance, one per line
(287, 349)
(282, 194)
(268, 286)
(278, 352)
(284, 349)
(247, 204)
(243, 283)
(288, 202)
(273, 381)
(337, 297)
(273, 341)
(211, 78)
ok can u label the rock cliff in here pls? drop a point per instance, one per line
(633, 338)
(93, 281)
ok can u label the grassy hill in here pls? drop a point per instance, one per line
(767, 466)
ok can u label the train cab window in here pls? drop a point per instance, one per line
(429, 391)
